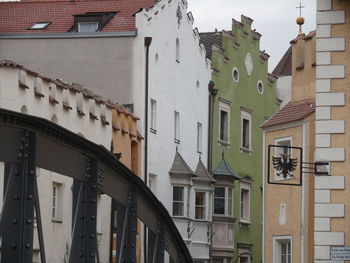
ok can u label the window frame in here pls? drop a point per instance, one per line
(227, 212)
(203, 206)
(88, 22)
(177, 127)
(245, 217)
(179, 201)
(225, 107)
(246, 115)
(278, 141)
(153, 121)
(199, 137)
(277, 247)
(56, 202)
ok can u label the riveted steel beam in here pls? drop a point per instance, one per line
(18, 214)
(83, 247)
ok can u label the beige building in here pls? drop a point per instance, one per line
(288, 198)
(332, 193)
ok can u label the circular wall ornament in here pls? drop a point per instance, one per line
(235, 74)
(260, 87)
(249, 63)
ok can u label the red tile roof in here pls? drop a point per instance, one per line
(16, 17)
(293, 111)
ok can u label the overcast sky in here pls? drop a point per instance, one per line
(274, 19)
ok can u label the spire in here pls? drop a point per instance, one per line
(300, 20)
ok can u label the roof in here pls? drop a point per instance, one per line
(180, 166)
(17, 17)
(75, 87)
(203, 173)
(293, 111)
(284, 66)
(209, 39)
(224, 169)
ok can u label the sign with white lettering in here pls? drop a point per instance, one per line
(340, 253)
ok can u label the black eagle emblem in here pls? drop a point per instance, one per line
(284, 165)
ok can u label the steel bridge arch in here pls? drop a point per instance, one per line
(28, 142)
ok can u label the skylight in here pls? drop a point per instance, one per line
(39, 25)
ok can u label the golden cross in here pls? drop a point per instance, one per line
(300, 7)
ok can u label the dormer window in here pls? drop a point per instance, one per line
(91, 21)
(87, 27)
(39, 25)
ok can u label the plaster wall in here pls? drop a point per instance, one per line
(173, 85)
(284, 89)
(101, 64)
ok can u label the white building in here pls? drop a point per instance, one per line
(112, 57)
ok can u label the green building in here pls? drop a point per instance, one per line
(243, 96)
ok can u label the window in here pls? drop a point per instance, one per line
(199, 137)
(279, 151)
(177, 127)
(178, 201)
(246, 130)
(224, 122)
(245, 202)
(200, 206)
(153, 116)
(282, 249)
(244, 255)
(235, 74)
(84, 27)
(56, 202)
(177, 50)
(260, 87)
(39, 25)
(223, 201)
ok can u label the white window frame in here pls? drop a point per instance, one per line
(199, 137)
(226, 201)
(223, 106)
(245, 253)
(276, 247)
(244, 186)
(277, 152)
(153, 122)
(183, 201)
(85, 23)
(204, 206)
(56, 202)
(176, 127)
(246, 115)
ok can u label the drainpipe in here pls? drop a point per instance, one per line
(212, 94)
(148, 41)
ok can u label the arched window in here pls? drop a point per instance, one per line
(54, 118)
(177, 50)
(24, 109)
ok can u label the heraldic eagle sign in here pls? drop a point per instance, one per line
(285, 165)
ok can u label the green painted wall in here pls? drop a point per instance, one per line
(243, 94)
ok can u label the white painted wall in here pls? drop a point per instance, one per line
(173, 85)
(284, 89)
(57, 235)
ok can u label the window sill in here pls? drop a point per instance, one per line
(243, 222)
(243, 149)
(226, 143)
(154, 131)
(224, 218)
(53, 220)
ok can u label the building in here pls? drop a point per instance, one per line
(332, 125)
(288, 206)
(146, 55)
(244, 96)
(85, 113)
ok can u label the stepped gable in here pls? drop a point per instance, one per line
(224, 169)
(203, 173)
(209, 39)
(293, 111)
(180, 166)
(74, 87)
(119, 15)
(284, 66)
